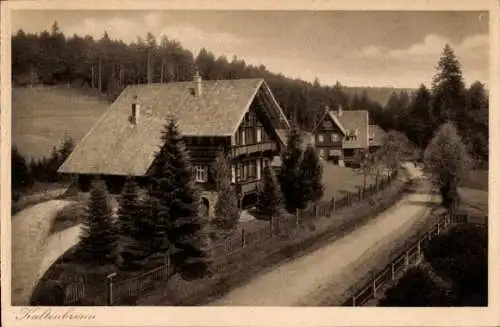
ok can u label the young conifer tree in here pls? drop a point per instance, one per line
(269, 199)
(290, 177)
(99, 234)
(226, 210)
(134, 228)
(311, 175)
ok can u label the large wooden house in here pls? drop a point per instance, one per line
(239, 117)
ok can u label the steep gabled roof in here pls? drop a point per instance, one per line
(328, 113)
(377, 135)
(115, 146)
(354, 120)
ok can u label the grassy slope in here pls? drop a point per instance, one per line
(474, 193)
(41, 117)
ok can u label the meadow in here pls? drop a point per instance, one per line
(43, 116)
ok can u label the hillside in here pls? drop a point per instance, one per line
(42, 116)
(378, 94)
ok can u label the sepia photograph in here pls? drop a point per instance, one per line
(248, 158)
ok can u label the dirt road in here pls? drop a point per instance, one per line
(303, 280)
(30, 230)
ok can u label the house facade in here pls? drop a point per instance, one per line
(240, 118)
(329, 137)
(356, 126)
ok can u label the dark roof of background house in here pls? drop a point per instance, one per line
(115, 146)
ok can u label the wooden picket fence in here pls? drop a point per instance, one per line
(121, 291)
(361, 293)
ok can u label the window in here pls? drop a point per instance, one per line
(201, 173)
(233, 174)
(334, 137)
(320, 138)
(259, 168)
(321, 153)
(259, 134)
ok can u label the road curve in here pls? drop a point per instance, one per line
(30, 230)
(301, 281)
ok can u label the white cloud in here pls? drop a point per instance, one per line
(472, 52)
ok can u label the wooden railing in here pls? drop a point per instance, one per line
(411, 255)
(239, 150)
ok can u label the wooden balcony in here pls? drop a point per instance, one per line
(240, 150)
(247, 186)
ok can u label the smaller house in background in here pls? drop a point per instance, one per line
(376, 137)
(356, 126)
(328, 138)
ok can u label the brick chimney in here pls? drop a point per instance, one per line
(198, 90)
(136, 107)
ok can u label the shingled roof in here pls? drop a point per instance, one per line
(115, 146)
(352, 121)
(333, 118)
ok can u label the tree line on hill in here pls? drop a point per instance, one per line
(43, 170)
(110, 65)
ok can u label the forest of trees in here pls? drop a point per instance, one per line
(109, 65)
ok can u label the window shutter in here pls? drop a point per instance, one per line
(259, 164)
(233, 174)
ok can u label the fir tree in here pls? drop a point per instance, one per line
(311, 175)
(179, 203)
(134, 231)
(448, 90)
(99, 234)
(290, 177)
(227, 213)
(419, 130)
(269, 198)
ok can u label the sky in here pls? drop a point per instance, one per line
(356, 48)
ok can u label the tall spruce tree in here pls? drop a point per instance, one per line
(269, 198)
(311, 171)
(134, 228)
(227, 213)
(419, 129)
(448, 90)
(99, 234)
(447, 159)
(178, 204)
(290, 176)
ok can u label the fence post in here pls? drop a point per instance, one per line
(359, 194)
(374, 283)
(297, 217)
(407, 259)
(271, 222)
(242, 237)
(316, 210)
(438, 227)
(110, 288)
(418, 250)
(393, 277)
(333, 203)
